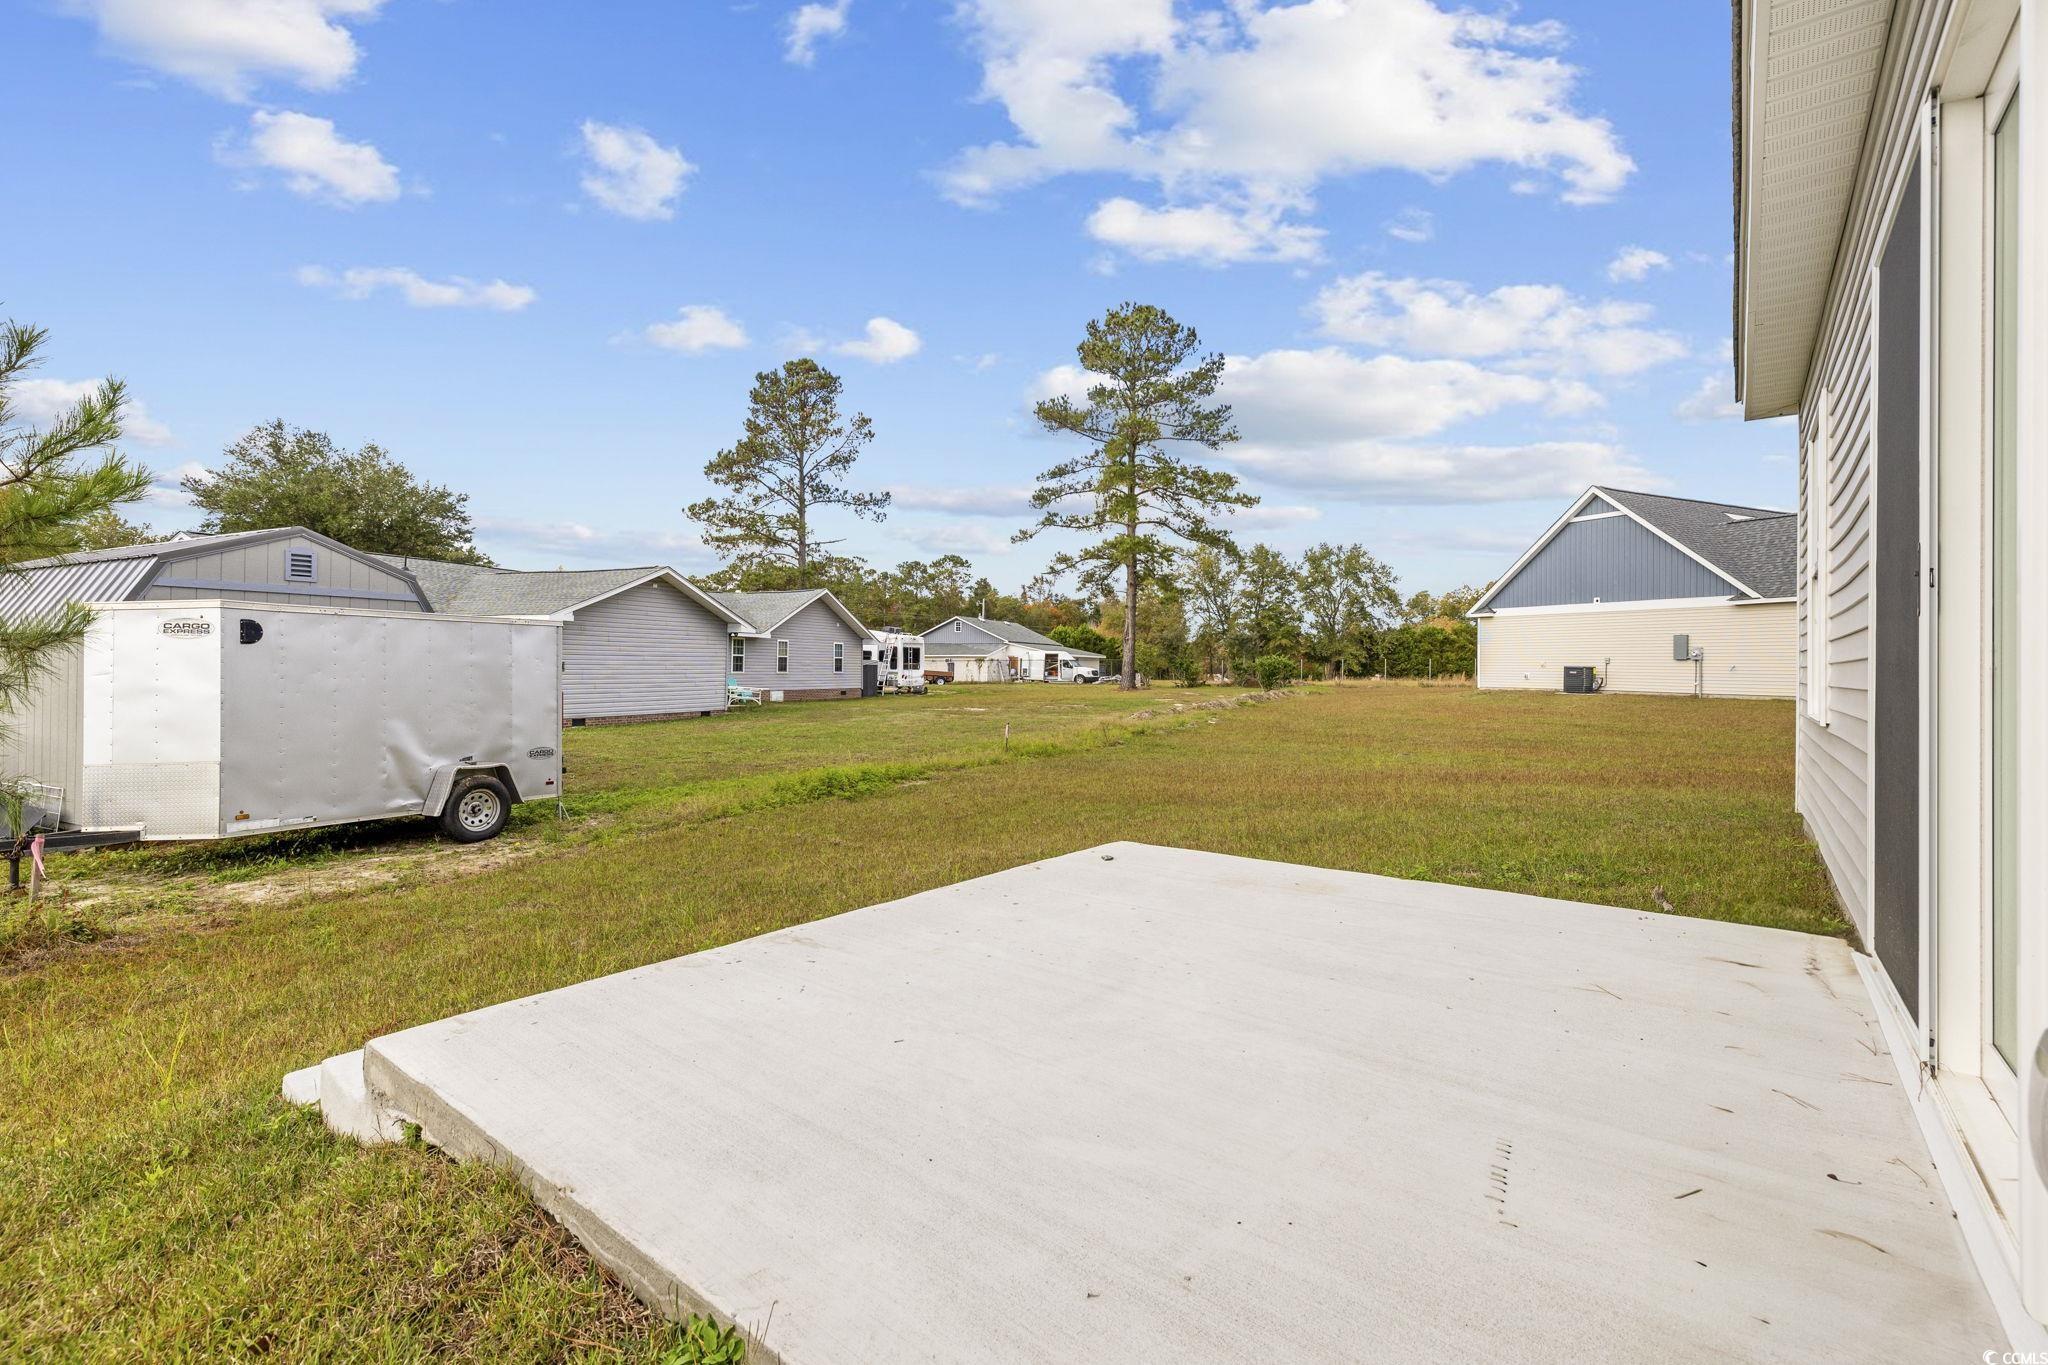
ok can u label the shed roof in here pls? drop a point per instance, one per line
(37, 586)
(1755, 548)
(485, 590)
(1007, 631)
(764, 611)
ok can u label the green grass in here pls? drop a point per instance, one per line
(160, 1201)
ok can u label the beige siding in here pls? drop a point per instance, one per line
(649, 651)
(255, 573)
(1749, 649)
(1833, 784)
(44, 739)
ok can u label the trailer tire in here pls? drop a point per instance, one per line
(476, 809)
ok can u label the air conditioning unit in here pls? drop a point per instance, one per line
(1581, 678)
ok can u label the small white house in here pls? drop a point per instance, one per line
(637, 644)
(976, 649)
(1651, 593)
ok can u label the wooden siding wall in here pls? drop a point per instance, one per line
(649, 651)
(811, 633)
(1751, 650)
(263, 564)
(1833, 783)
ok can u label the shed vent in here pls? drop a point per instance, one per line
(300, 567)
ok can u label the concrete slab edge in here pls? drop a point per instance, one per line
(445, 1126)
(2026, 1335)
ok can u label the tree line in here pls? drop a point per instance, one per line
(1163, 588)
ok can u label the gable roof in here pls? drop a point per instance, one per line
(36, 586)
(1755, 548)
(480, 590)
(1009, 632)
(762, 612)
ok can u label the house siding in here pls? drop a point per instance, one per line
(1613, 559)
(646, 652)
(811, 633)
(1749, 649)
(1832, 788)
(255, 573)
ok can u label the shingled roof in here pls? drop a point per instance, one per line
(762, 612)
(1757, 547)
(477, 590)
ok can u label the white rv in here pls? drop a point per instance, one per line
(899, 659)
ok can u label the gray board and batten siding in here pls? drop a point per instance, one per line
(1609, 559)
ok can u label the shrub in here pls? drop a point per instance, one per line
(1191, 674)
(1273, 670)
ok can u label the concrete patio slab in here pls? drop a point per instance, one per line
(1146, 1104)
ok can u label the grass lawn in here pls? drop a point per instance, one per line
(159, 1200)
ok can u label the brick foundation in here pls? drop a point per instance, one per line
(635, 720)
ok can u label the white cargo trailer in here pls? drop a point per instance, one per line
(207, 720)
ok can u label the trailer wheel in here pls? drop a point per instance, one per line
(477, 809)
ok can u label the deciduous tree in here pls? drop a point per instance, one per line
(287, 476)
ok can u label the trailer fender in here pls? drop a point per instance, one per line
(445, 777)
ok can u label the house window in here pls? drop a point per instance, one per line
(838, 657)
(300, 566)
(1819, 543)
(739, 654)
(782, 656)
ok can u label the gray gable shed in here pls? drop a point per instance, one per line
(639, 643)
(289, 564)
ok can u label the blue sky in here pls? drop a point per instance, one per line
(1463, 261)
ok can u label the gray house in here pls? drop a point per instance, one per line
(795, 646)
(289, 565)
(976, 649)
(637, 644)
(1615, 582)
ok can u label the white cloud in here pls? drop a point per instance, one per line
(1412, 225)
(810, 25)
(360, 282)
(982, 501)
(1367, 427)
(41, 401)
(958, 538)
(1209, 234)
(1635, 263)
(699, 327)
(1444, 473)
(228, 47)
(885, 342)
(1294, 397)
(1274, 516)
(167, 486)
(1712, 401)
(630, 173)
(1254, 104)
(315, 160)
(545, 544)
(1532, 325)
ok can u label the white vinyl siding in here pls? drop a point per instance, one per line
(1817, 539)
(1832, 789)
(262, 572)
(648, 651)
(1749, 649)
